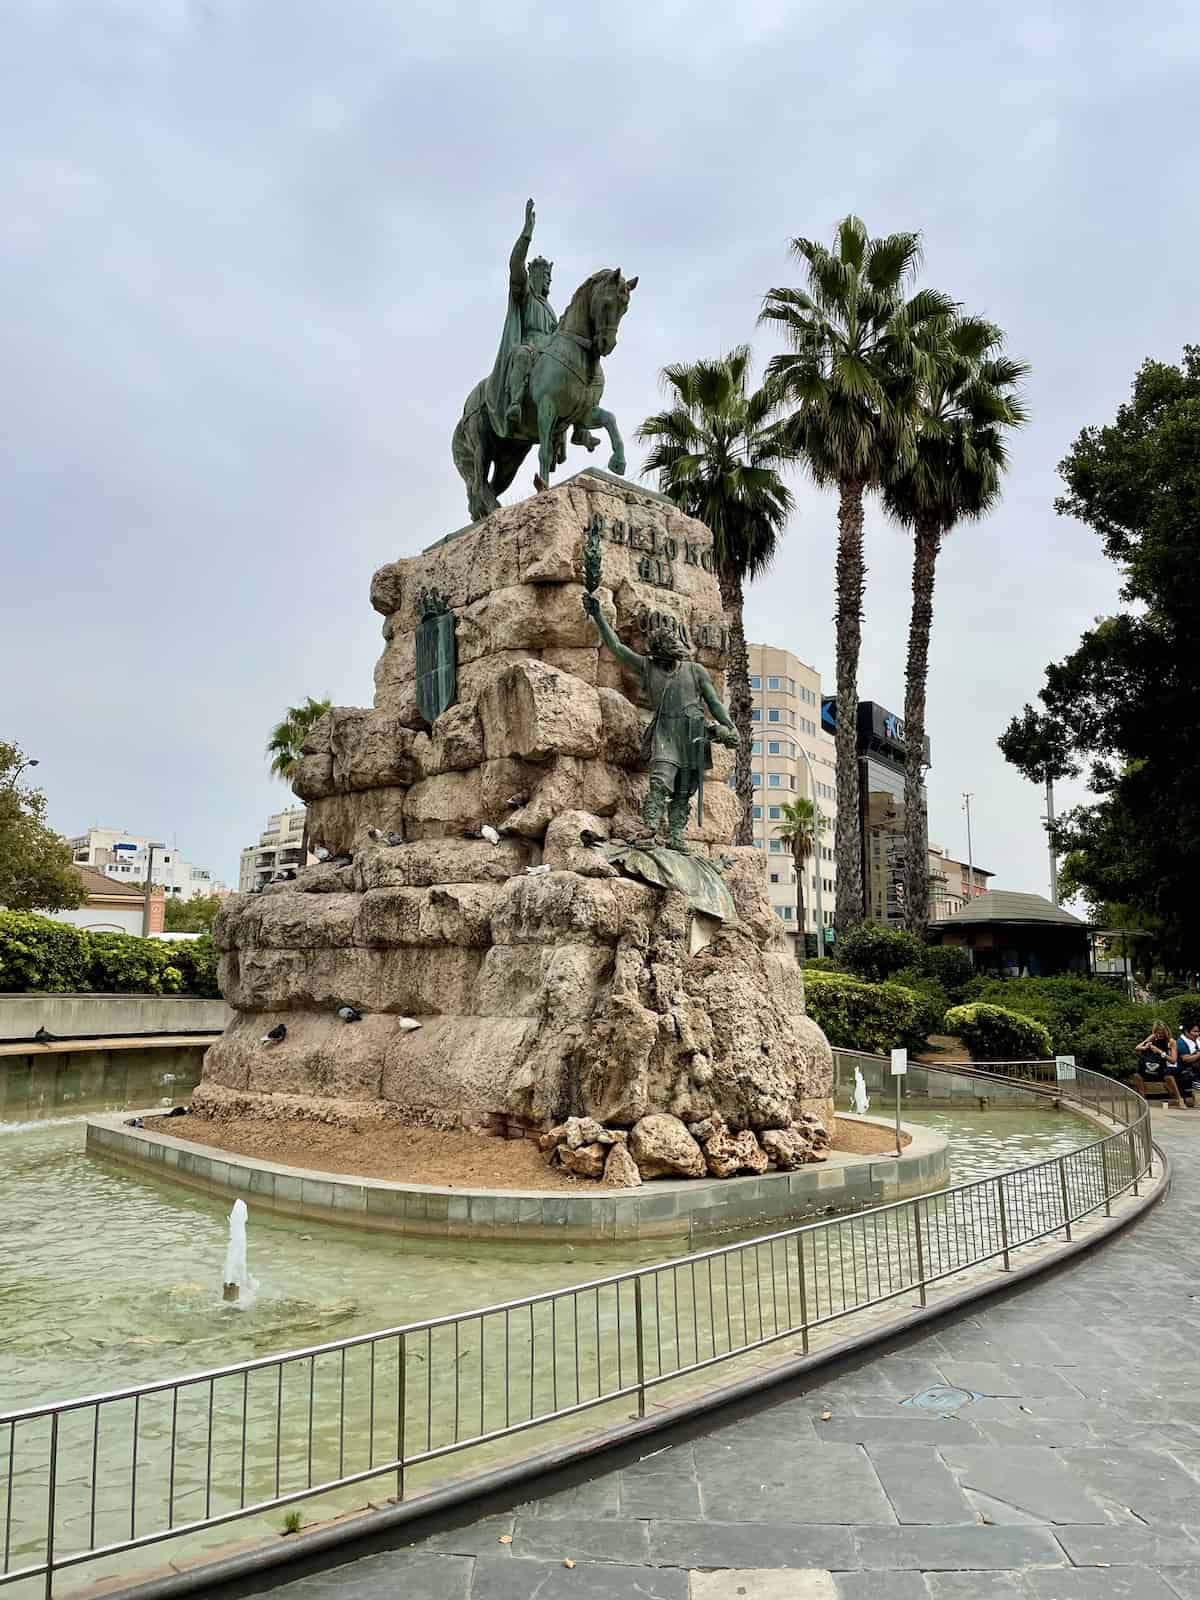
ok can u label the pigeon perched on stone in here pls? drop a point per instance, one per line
(536, 872)
(407, 1024)
(349, 1014)
(516, 801)
(393, 839)
(489, 833)
(343, 860)
(592, 840)
(321, 853)
(44, 1036)
(275, 1034)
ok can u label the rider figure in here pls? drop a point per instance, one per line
(528, 287)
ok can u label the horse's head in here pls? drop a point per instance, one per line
(608, 301)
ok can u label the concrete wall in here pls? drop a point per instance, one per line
(89, 1015)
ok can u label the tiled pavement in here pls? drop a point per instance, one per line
(1074, 1476)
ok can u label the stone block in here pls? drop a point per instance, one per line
(422, 862)
(449, 914)
(455, 743)
(534, 712)
(339, 822)
(428, 981)
(621, 729)
(373, 750)
(443, 806)
(557, 907)
(457, 1064)
(525, 981)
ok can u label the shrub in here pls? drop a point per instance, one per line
(196, 960)
(1187, 1009)
(124, 964)
(952, 968)
(992, 1033)
(856, 1015)
(875, 953)
(932, 999)
(41, 954)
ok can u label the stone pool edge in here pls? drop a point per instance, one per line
(682, 1214)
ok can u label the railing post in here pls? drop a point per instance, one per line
(803, 1293)
(1066, 1202)
(1003, 1224)
(920, 1253)
(51, 1496)
(402, 1409)
(1107, 1181)
(1133, 1163)
(641, 1351)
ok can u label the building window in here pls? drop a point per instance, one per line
(774, 813)
(755, 681)
(788, 913)
(772, 683)
(791, 780)
(774, 877)
(777, 846)
(756, 715)
(756, 813)
(774, 714)
(758, 844)
(774, 780)
(756, 748)
(773, 747)
(756, 780)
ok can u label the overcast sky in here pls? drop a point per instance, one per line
(254, 256)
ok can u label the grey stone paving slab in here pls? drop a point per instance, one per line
(473, 1538)
(920, 1486)
(580, 1538)
(1184, 1580)
(1031, 1478)
(600, 1497)
(903, 1426)
(1033, 1430)
(1091, 1583)
(550, 1580)
(958, 1549)
(880, 1586)
(1143, 1480)
(976, 1586)
(1128, 1545)
(1017, 1381)
(740, 1544)
(898, 1376)
(660, 1495)
(833, 1483)
(384, 1577)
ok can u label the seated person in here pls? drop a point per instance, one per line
(1157, 1063)
(1187, 1060)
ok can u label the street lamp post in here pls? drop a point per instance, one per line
(157, 845)
(812, 791)
(967, 798)
(32, 761)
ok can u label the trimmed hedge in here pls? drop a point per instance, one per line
(856, 1015)
(992, 1033)
(41, 956)
(876, 953)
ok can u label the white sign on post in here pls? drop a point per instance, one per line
(1064, 1068)
(899, 1063)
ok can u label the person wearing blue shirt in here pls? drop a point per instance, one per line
(1187, 1059)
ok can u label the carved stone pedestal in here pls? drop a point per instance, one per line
(575, 989)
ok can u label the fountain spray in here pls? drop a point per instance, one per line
(237, 1278)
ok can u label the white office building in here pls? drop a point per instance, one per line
(125, 857)
(279, 845)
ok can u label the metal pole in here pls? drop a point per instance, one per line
(812, 793)
(1050, 832)
(1107, 1182)
(149, 891)
(1066, 1204)
(920, 1251)
(967, 798)
(899, 1081)
(1003, 1224)
(641, 1354)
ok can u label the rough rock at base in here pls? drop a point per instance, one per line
(788, 1148)
(621, 1170)
(728, 1153)
(663, 1148)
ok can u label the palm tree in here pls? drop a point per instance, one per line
(285, 746)
(857, 354)
(715, 454)
(967, 404)
(802, 826)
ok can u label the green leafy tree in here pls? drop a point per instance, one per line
(716, 452)
(1127, 699)
(858, 354)
(36, 873)
(802, 826)
(286, 745)
(191, 916)
(1041, 749)
(966, 405)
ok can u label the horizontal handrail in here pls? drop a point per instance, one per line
(178, 1456)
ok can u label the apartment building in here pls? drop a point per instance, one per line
(952, 883)
(280, 844)
(125, 857)
(787, 728)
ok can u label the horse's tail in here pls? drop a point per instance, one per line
(461, 446)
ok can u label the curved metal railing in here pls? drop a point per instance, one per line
(102, 1475)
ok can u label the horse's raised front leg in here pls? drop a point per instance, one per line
(605, 419)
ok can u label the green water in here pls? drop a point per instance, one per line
(108, 1278)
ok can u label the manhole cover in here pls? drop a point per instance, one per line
(942, 1397)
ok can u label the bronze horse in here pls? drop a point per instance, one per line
(564, 390)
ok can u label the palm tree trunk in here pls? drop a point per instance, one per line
(927, 539)
(737, 687)
(851, 579)
(802, 932)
